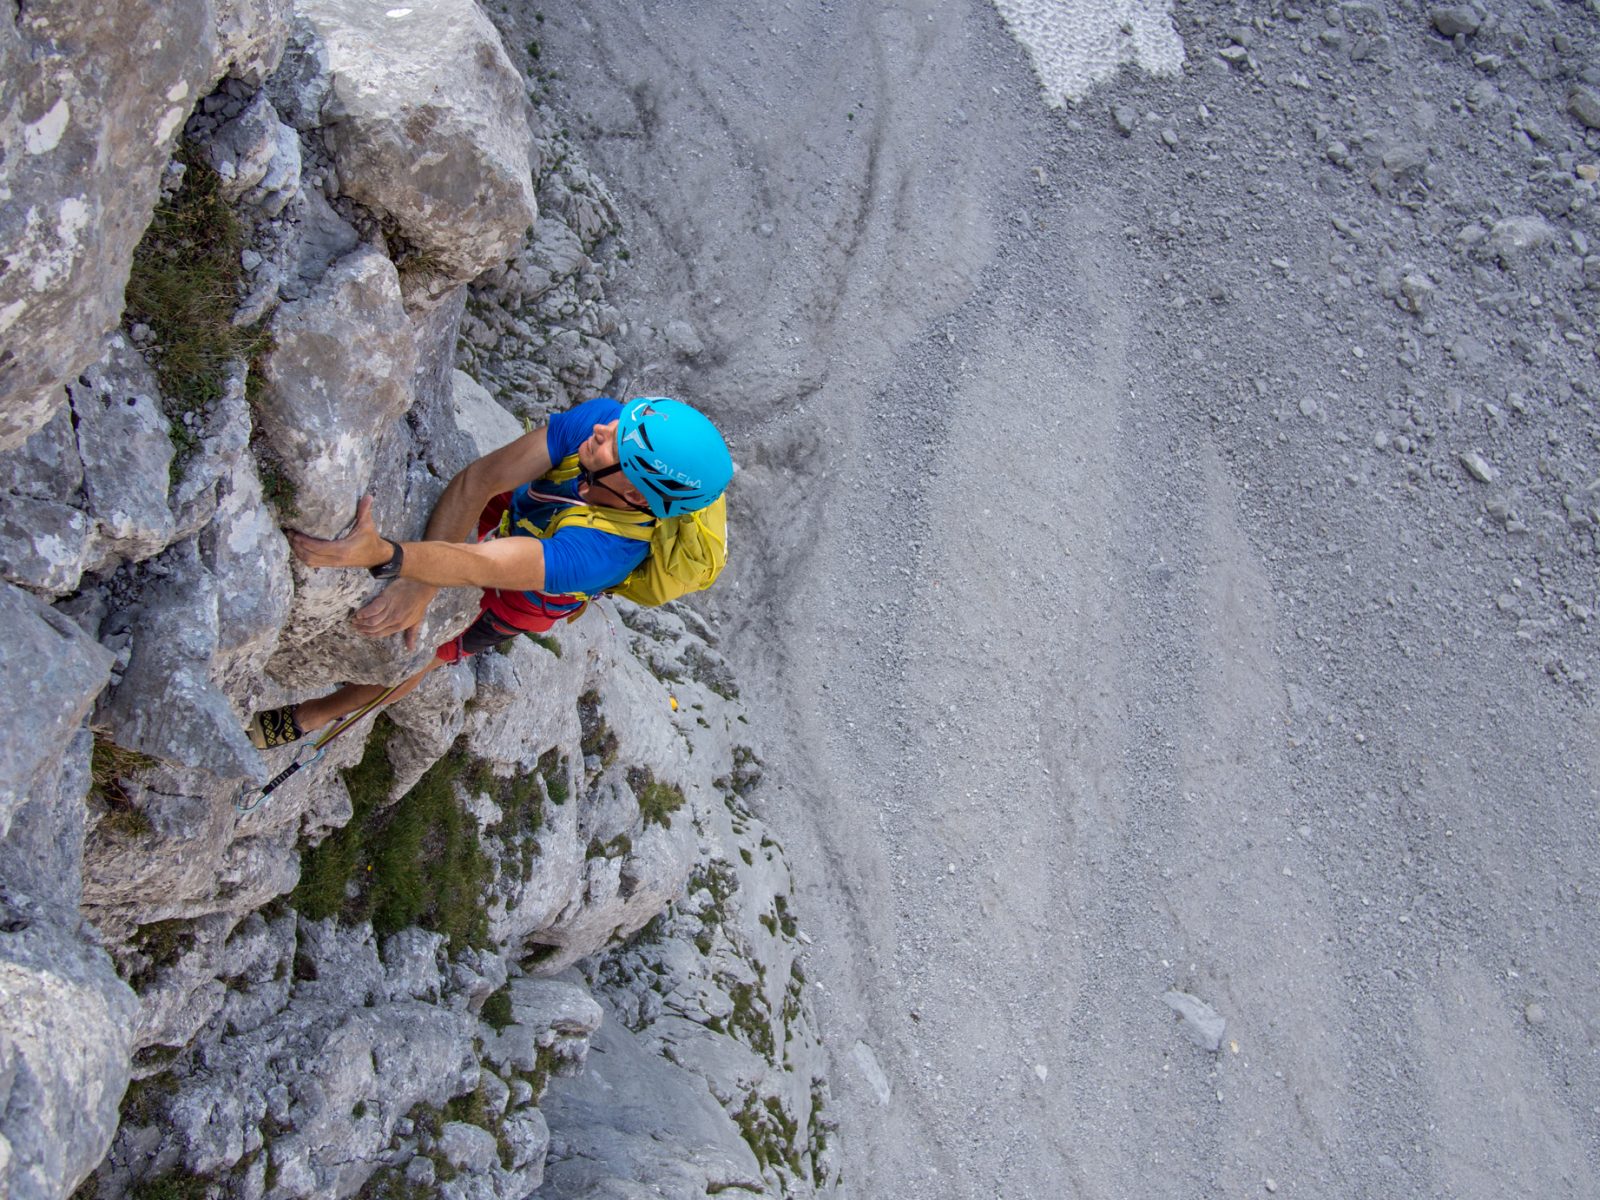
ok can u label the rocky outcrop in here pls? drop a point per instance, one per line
(341, 368)
(423, 112)
(368, 981)
(90, 107)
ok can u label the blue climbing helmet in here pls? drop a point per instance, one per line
(673, 454)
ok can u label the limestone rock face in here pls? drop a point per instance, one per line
(126, 448)
(65, 1034)
(92, 105)
(611, 1125)
(339, 373)
(426, 120)
(51, 673)
(387, 161)
(167, 704)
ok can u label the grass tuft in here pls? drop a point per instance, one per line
(553, 770)
(109, 765)
(598, 738)
(657, 800)
(415, 862)
(184, 284)
(497, 1012)
(162, 943)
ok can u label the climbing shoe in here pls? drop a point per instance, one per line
(275, 727)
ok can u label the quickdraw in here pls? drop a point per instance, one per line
(317, 750)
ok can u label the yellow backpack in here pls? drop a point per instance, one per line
(687, 553)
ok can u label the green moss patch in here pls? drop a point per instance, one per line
(184, 284)
(415, 862)
(496, 1012)
(770, 1132)
(657, 800)
(598, 739)
(548, 642)
(162, 943)
(555, 770)
(521, 807)
(109, 765)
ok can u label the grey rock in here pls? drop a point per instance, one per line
(1202, 1024)
(46, 466)
(1478, 467)
(1454, 19)
(1124, 120)
(527, 1139)
(339, 373)
(241, 149)
(126, 446)
(281, 183)
(546, 1013)
(480, 416)
(44, 546)
(426, 119)
(220, 434)
(1514, 239)
(167, 704)
(247, 554)
(51, 673)
(496, 1092)
(556, 254)
(1405, 161)
(1416, 293)
(610, 1129)
(257, 157)
(325, 238)
(682, 340)
(872, 1071)
(83, 183)
(1584, 104)
(64, 1050)
(468, 1147)
(300, 85)
(420, 1171)
(350, 1038)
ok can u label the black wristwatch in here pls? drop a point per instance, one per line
(391, 568)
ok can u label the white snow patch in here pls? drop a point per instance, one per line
(395, 14)
(1075, 44)
(177, 91)
(44, 135)
(9, 314)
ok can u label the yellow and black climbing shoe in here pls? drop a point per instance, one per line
(275, 727)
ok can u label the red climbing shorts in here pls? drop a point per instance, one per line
(504, 615)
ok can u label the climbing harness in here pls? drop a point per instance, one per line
(317, 748)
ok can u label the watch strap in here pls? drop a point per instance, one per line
(391, 568)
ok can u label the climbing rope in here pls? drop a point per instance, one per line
(317, 749)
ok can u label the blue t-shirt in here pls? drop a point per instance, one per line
(575, 559)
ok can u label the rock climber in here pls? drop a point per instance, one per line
(630, 464)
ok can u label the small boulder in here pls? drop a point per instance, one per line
(1203, 1025)
(468, 1147)
(426, 119)
(1584, 104)
(1454, 19)
(1516, 238)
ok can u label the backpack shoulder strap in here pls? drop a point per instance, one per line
(564, 470)
(638, 527)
